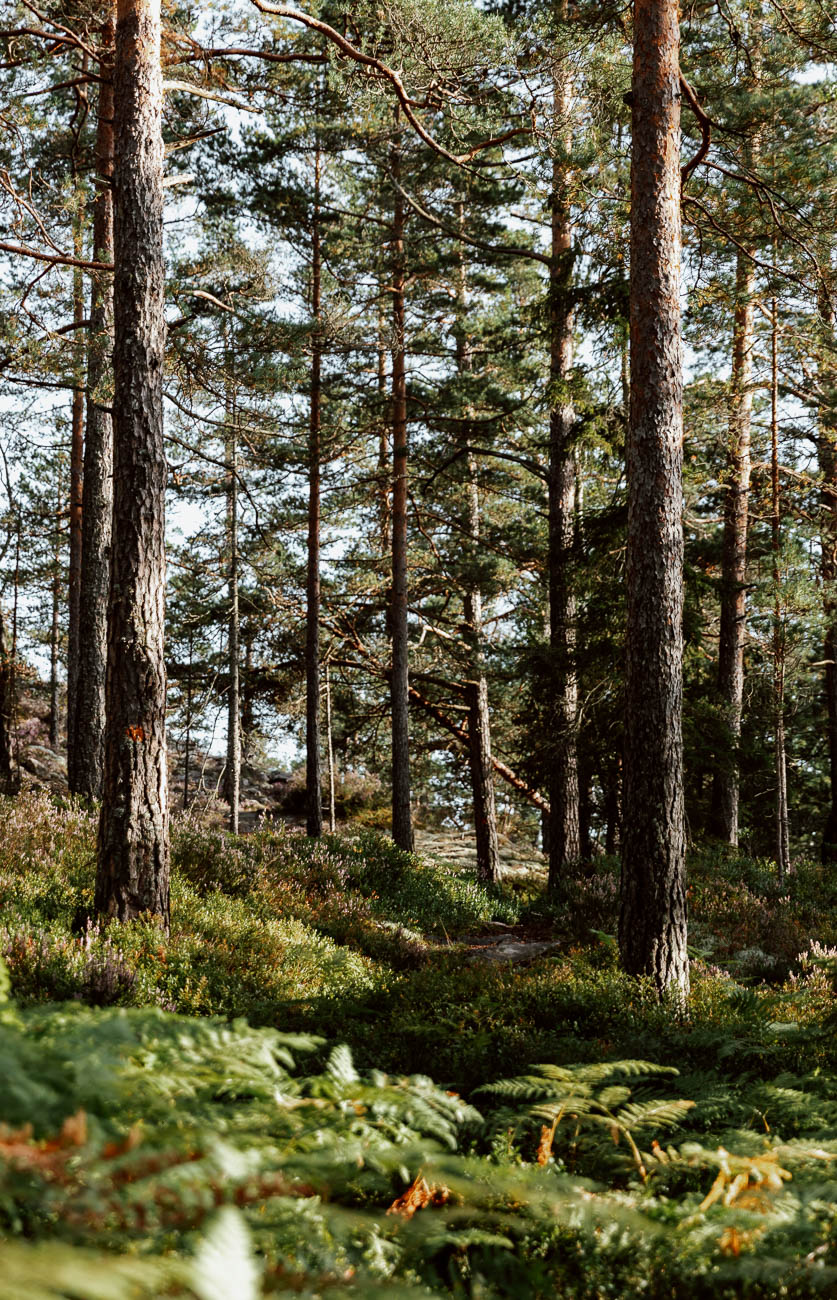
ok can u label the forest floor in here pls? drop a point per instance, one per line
(660, 1152)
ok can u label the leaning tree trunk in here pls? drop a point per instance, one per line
(133, 862)
(725, 789)
(313, 776)
(827, 448)
(402, 822)
(88, 730)
(564, 840)
(652, 921)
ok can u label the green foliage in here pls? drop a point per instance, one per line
(142, 1147)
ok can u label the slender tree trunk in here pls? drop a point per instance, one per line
(313, 777)
(827, 449)
(479, 721)
(476, 691)
(188, 747)
(87, 735)
(564, 841)
(652, 922)
(55, 623)
(782, 830)
(248, 722)
(384, 460)
(402, 823)
(233, 774)
(13, 700)
(725, 786)
(76, 492)
(332, 815)
(5, 710)
(133, 865)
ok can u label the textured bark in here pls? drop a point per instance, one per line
(564, 841)
(313, 776)
(233, 769)
(55, 626)
(652, 921)
(402, 822)
(133, 863)
(88, 731)
(725, 788)
(384, 476)
(76, 489)
(827, 449)
(782, 850)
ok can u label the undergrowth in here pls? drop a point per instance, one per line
(183, 1123)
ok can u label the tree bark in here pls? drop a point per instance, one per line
(564, 842)
(782, 850)
(725, 786)
(384, 475)
(86, 739)
(55, 625)
(476, 690)
(313, 775)
(5, 710)
(188, 746)
(479, 719)
(652, 921)
(233, 773)
(76, 494)
(827, 451)
(133, 861)
(402, 822)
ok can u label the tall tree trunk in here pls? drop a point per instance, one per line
(384, 472)
(55, 624)
(313, 777)
(564, 841)
(87, 735)
(781, 811)
(652, 921)
(402, 822)
(476, 691)
(827, 450)
(479, 721)
(133, 863)
(76, 495)
(725, 787)
(233, 773)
